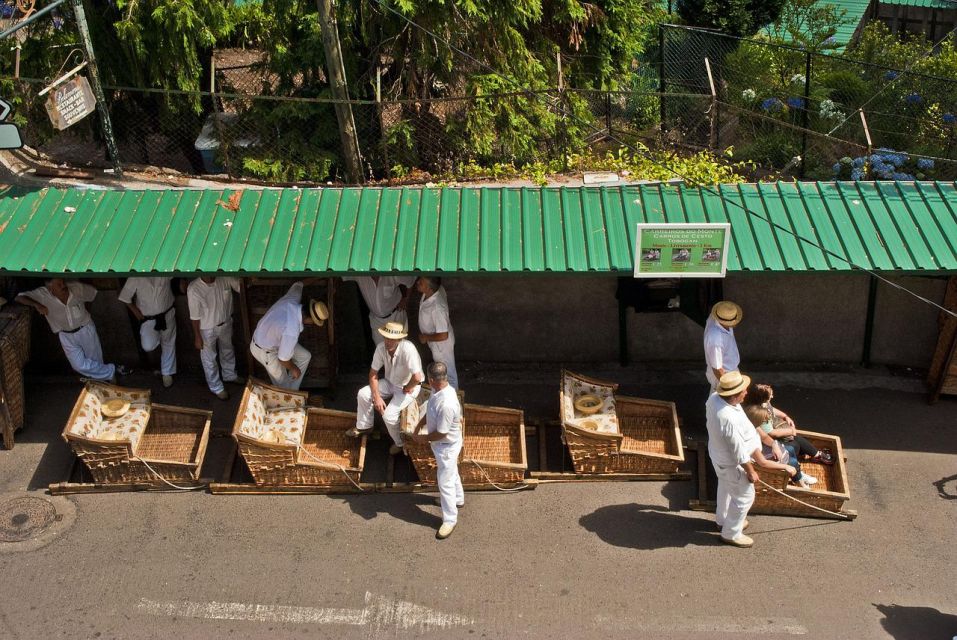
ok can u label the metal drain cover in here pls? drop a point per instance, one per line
(25, 518)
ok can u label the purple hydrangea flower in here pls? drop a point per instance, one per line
(913, 98)
(925, 164)
(796, 103)
(891, 75)
(771, 104)
(949, 118)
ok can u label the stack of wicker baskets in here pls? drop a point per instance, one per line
(14, 354)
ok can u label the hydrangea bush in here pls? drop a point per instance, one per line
(885, 164)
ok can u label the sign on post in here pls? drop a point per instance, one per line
(682, 250)
(71, 101)
(9, 133)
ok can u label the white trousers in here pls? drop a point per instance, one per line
(85, 353)
(218, 340)
(278, 373)
(712, 380)
(735, 497)
(444, 352)
(150, 338)
(451, 493)
(399, 401)
(375, 322)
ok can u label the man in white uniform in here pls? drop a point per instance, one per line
(435, 329)
(275, 341)
(734, 448)
(63, 304)
(402, 382)
(151, 301)
(720, 348)
(385, 296)
(443, 426)
(211, 313)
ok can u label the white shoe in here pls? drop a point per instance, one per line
(807, 481)
(167, 381)
(445, 531)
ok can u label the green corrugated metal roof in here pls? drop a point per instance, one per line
(887, 226)
(855, 12)
(929, 4)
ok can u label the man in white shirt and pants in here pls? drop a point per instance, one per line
(63, 304)
(435, 328)
(386, 297)
(211, 313)
(443, 426)
(275, 342)
(720, 348)
(400, 385)
(734, 448)
(151, 302)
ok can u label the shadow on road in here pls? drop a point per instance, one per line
(406, 507)
(638, 526)
(917, 623)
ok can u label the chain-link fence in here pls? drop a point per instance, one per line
(798, 113)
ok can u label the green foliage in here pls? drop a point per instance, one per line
(734, 17)
(771, 150)
(808, 24)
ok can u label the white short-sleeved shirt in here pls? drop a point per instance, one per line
(383, 297)
(720, 348)
(731, 436)
(69, 316)
(443, 414)
(153, 295)
(399, 367)
(211, 304)
(279, 329)
(434, 314)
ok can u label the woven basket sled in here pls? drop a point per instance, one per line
(493, 448)
(150, 442)
(284, 442)
(14, 354)
(627, 435)
(830, 492)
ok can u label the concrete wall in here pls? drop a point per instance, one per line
(797, 318)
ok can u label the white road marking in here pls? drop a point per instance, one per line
(379, 613)
(710, 625)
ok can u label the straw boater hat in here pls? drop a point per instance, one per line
(393, 330)
(727, 314)
(115, 408)
(732, 383)
(319, 312)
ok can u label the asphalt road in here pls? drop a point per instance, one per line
(600, 560)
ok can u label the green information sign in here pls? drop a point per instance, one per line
(682, 250)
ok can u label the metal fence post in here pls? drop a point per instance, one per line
(661, 75)
(101, 106)
(805, 116)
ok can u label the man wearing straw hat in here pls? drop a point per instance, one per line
(443, 426)
(63, 304)
(400, 385)
(734, 448)
(275, 342)
(151, 302)
(720, 348)
(211, 313)
(387, 298)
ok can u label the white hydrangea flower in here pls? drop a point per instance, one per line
(798, 78)
(749, 94)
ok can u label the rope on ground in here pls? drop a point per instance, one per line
(164, 480)
(338, 466)
(518, 488)
(842, 516)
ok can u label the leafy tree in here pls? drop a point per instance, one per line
(735, 17)
(808, 24)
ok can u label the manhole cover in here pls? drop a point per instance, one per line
(24, 518)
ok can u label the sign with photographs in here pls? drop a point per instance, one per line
(70, 102)
(682, 250)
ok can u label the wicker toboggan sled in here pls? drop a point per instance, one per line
(617, 434)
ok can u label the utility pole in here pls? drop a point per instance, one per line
(340, 90)
(97, 87)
